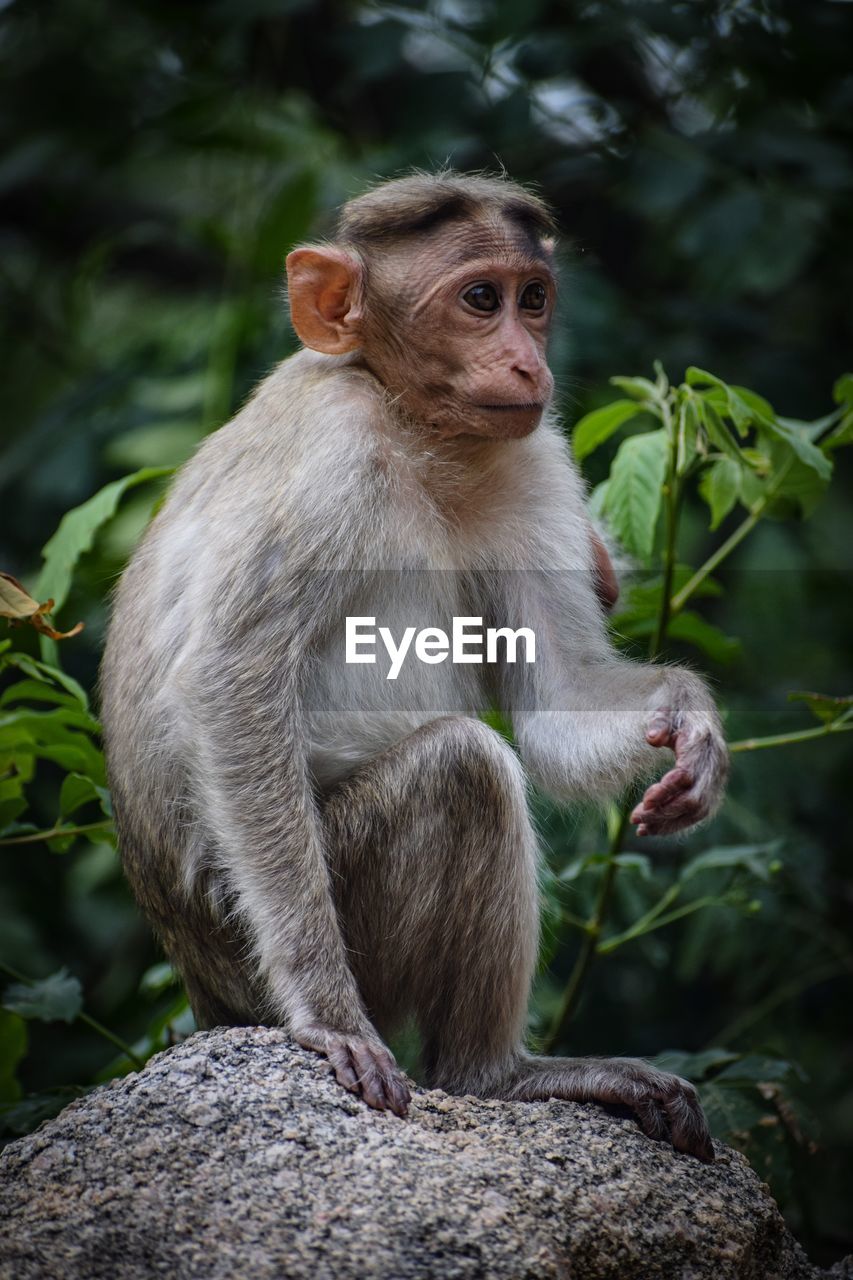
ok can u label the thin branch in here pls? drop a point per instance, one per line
(592, 932)
(786, 739)
(734, 540)
(34, 837)
(698, 904)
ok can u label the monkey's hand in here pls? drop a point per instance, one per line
(692, 789)
(362, 1064)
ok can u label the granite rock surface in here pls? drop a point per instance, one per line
(236, 1154)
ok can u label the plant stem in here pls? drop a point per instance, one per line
(120, 1044)
(593, 926)
(681, 597)
(659, 922)
(785, 739)
(83, 1017)
(640, 926)
(672, 495)
(734, 540)
(33, 837)
(592, 929)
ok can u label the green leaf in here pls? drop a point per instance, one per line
(758, 1068)
(11, 807)
(720, 487)
(36, 691)
(760, 860)
(692, 628)
(78, 790)
(759, 407)
(696, 377)
(58, 998)
(13, 1046)
(823, 706)
(596, 427)
(795, 435)
(843, 433)
(597, 500)
(686, 627)
(689, 441)
(842, 392)
(796, 488)
(717, 431)
(637, 388)
(77, 530)
(54, 735)
(693, 1066)
(732, 1109)
(157, 979)
(582, 863)
(45, 672)
(635, 491)
(638, 862)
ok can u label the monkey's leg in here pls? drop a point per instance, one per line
(434, 873)
(434, 862)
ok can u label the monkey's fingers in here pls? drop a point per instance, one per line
(681, 813)
(665, 802)
(380, 1080)
(660, 731)
(661, 793)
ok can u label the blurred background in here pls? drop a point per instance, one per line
(158, 161)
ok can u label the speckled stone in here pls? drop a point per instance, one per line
(237, 1155)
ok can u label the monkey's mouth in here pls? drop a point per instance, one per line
(527, 407)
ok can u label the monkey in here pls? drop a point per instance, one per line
(319, 847)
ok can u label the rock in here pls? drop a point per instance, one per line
(236, 1154)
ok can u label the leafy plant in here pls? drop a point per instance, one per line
(728, 445)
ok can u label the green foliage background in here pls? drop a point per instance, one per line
(158, 161)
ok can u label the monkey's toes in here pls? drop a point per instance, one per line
(668, 1110)
(380, 1080)
(362, 1066)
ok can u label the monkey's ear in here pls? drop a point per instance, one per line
(324, 286)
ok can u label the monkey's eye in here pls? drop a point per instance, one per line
(534, 297)
(482, 297)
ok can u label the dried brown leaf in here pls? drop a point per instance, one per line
(18, 605)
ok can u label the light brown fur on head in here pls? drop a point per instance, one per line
(414, 204)
(396, 285)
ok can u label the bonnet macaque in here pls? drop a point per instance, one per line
(317, 845)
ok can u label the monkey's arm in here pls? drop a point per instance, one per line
(253, 787)
(589, 722)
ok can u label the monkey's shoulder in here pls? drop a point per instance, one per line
(311, 415)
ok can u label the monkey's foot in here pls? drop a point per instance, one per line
(667, 1108)
(362, 1065)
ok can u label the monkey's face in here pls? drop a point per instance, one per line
(457, 330)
